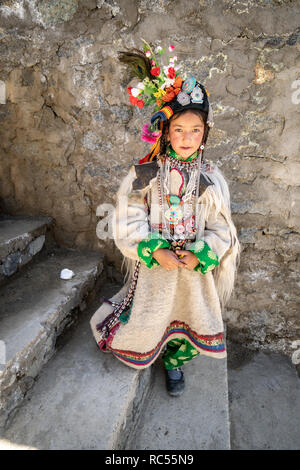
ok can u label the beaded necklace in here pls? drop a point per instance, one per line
(173, 212)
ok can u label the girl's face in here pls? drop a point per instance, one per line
(185, 134)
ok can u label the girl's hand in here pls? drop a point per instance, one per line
(189, 260)
(167, 259)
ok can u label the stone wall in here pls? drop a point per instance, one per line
(68, 133)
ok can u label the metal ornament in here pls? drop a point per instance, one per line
(174, 214)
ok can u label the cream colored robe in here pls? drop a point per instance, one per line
(179, 303)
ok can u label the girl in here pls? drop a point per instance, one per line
(173, 225)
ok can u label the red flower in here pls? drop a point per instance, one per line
(129, 89)
(140, 103)
(133, 100)
(171, 72)
(155, 71)
(170, 94)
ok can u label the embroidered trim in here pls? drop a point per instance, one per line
(147, 246)
(209, 343)
(208, 259)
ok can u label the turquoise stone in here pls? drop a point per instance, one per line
(174, 199)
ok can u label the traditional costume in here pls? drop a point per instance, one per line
(168, 202)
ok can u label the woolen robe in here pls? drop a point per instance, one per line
(169, 304)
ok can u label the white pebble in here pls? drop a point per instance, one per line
(66, 274)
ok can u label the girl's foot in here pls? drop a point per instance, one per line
(175, 382)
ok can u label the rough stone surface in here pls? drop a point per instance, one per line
(82, 400)
(264, 400)
(196, 420)
(20, 239)
(68, 133)
(36, 307)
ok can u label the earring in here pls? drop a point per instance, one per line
(201, 147)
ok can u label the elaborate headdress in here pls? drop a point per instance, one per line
(163, 87)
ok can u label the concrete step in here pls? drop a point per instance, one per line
(21, 237)
(196, 420)
(82, 400)
(36, 306)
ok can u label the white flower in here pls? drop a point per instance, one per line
(140, 86)
(135, 92)
(158, 49)
(168, 82)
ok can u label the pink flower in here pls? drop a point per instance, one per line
(148, 54)
(148, 136)
(171, 48)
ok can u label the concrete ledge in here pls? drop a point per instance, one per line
(196, 420)
(20, 239)
(36, 305)
(82, 400)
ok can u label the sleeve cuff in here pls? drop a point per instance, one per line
(208, 259)
(147, 246)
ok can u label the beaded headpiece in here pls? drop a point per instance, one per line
(163, 87)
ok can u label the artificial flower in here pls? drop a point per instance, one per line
(173, 90)
(135, 92)
(170, 95)
(177, 83)
(133, 100)
(160, 93)
(155, 71)
(171, 48)
(140, 104)
(129, 89)
(149, 136)
(171, 72)
(148, 54)
(167, 83)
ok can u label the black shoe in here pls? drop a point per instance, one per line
(175, 387)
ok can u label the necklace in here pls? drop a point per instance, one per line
(174, 212)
